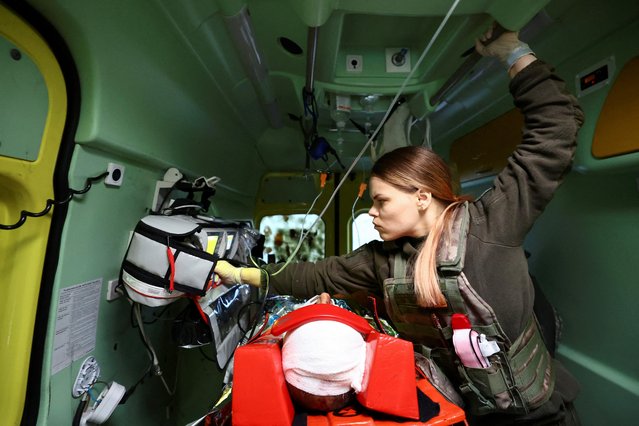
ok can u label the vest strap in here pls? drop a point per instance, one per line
(450, 288)
(399, 266)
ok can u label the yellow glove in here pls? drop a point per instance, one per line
(231, 275)
(228, 273)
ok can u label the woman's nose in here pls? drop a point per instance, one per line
(372, 211)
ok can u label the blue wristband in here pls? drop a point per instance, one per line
(521, 50)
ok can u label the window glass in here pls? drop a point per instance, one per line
(283, 234)
(363, 231)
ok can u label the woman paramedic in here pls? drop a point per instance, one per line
(443, 254)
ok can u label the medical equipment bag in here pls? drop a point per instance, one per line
(170, 256)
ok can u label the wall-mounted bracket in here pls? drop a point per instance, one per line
(87, 376)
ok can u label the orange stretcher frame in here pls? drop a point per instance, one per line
(449, 414)
(260, 390)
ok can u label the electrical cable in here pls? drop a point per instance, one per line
(91, 395)
(154, 359)
(131, 389)
(50, 203)
(208, 358)
(138, 318)
(374, 134)
(154, 368)
(258, 315)
(133, 325)
(78, 412)
(310, 108)
(156, 316)
(149, 370)
(103, 405)
(239, 317)
(159, 315)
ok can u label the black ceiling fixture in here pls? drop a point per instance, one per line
(290, 46)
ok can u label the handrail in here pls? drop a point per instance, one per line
(464, 68)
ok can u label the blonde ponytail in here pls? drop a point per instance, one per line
(426, 282)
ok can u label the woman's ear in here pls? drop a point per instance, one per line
(424, 199)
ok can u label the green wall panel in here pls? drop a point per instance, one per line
(584, 254)
(95, 240)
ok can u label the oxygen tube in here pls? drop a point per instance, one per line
(360, 194)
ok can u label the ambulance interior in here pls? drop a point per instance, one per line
(262, 100)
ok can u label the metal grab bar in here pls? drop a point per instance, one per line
(465, 67)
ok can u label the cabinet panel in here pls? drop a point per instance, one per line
(617, 130)
(484, 151)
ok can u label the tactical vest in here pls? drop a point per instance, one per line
(520, 377)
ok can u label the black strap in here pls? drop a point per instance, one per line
(427, 410)
(173, 241)
(300, 419)
(427, 407)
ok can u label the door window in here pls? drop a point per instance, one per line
(283, 233)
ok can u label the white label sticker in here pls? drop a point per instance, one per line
(76, 323)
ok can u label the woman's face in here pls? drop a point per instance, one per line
(395, 213)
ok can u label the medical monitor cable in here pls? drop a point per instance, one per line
(383, 120)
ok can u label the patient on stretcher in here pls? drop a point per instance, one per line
(324, 357)
(323, 363)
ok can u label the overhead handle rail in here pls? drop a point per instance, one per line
(471, 60)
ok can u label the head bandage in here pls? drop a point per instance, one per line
(324, 358)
